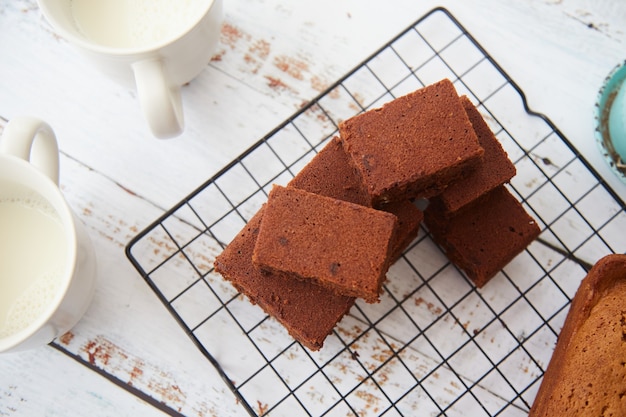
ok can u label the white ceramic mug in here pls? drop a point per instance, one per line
(47, 261)
(155, 45)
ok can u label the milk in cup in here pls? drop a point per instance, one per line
(135, 23)
(34, 256)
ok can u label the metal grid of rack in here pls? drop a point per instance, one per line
(435, 344)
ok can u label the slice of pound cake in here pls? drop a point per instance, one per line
(587, 372)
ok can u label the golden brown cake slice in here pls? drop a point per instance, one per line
(587, 373)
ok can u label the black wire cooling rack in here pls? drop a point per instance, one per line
(435, 344)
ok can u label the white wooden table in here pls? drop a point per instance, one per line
(274, 55)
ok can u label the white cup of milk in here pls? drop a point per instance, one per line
(47, 261)
(156, 46)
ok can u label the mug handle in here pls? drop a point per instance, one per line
(32, 140)
(160, 100)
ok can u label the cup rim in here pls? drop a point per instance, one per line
(84, 42)
(49, 190)
(611, 82)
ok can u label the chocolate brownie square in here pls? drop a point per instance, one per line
(308, 311)
(495, 170)
(413, 146)
(484, 237)
(330, 173)
(343, 246)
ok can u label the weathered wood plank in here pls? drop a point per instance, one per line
(273, 57)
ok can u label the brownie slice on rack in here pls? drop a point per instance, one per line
(496, 168)
(484, 237)
(413, 146)
(330, 173)
(293, 303)
(343, 246)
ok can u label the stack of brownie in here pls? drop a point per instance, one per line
(308, 309)
(479, 224)
(331, 234)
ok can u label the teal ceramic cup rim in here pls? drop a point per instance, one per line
(606, 95)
